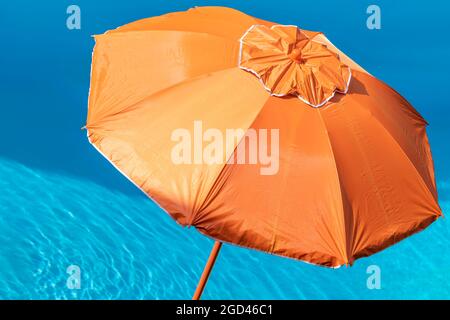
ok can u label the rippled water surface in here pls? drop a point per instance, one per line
(62, 204)
(127, 248)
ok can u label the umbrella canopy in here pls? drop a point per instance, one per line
(351, 171)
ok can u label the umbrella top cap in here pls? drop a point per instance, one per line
(296, 55)
(288, 62)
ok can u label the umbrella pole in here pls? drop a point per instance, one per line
(206, 272)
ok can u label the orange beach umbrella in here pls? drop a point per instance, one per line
(260, 135)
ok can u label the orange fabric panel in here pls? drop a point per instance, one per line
(219, 21)
(138, 141)
(128, 67)
(297, 212)
(321, 38)
(386, 173)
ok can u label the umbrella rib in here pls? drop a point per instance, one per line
(344, 228)
(133, 106)
(214, 186)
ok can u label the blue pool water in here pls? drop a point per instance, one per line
(62, 204)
